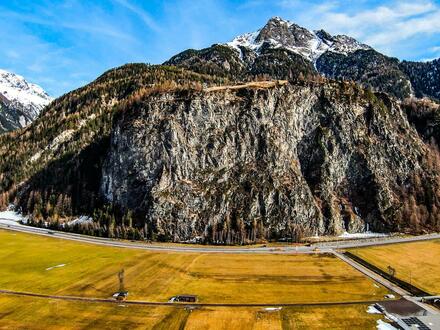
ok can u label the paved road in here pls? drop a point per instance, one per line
(315, 248)
(387, 284)
(376, 241)
(376, 277)
(150, 247)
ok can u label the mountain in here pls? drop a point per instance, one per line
(214, 146)
(267, 160)
(278, 33)
(284, 50)
(20, 101)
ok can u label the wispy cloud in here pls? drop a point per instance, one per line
(95, 27)
(142, 14)
(61, 44)
(385, 25)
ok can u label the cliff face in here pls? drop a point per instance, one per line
(230, 165)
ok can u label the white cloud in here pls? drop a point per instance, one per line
(384, 27)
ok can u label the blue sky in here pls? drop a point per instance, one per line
(65, 44)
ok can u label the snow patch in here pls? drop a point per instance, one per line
(272, 309)
(83, 219)
(366, 234)
(11, 216)
(382, 325)
(373, 310)
(57, 266)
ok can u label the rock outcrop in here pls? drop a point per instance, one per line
(233, 165)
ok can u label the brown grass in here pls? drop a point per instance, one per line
(36, 313)
(221, 278)
(418, 262)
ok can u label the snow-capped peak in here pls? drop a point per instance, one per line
(17, 92)
(279, 33)
(20, 101)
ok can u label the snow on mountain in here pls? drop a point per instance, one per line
(279, 33)
(20, 101)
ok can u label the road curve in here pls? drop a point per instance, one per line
(327, 247)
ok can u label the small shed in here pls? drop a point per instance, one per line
(188, 298)
(121, 295)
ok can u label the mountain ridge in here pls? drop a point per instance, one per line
(284, 50)
(285, 34)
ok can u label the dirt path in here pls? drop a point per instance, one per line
(151, 303)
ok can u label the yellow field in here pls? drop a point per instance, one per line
(37, 313)
(27, 260)
(418, 262)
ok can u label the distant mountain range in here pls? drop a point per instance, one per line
(284, 50)
(20, 101)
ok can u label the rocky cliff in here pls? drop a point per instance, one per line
(234, 165)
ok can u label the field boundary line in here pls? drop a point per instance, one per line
(152, 303)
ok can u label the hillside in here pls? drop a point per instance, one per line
(213, 147)
(51, 169)
(175, 162)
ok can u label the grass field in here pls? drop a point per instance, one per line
(418, 262)
(27, 263)
(37, 313)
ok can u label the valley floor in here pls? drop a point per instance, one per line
(36, 313)
(417, 263)
(52, 266)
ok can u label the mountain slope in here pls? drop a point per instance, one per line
(369, 68)
(284, 50)
(20, 101)
(272, 162)
(190, 150)
(424, 77)
(278, 33)
(150, 152)
(51, 168)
